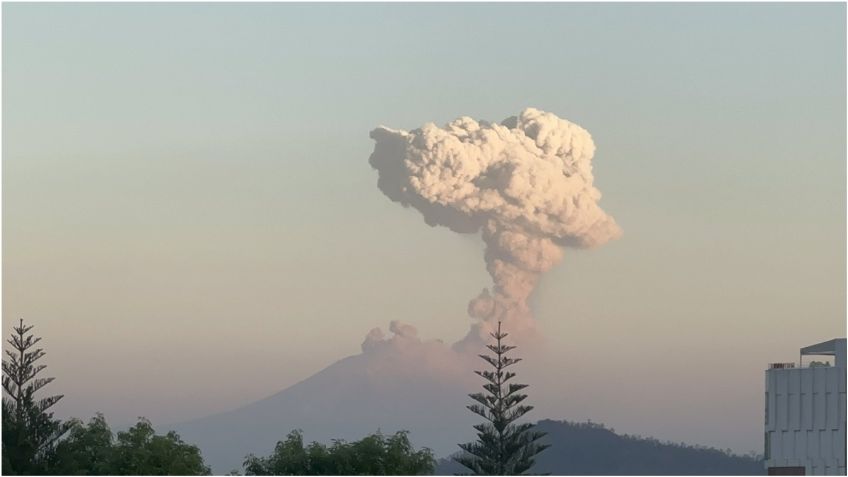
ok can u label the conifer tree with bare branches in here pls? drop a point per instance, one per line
(503, 447)
(29, 430)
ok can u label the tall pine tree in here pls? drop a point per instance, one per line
(502, 447)
(29, 430)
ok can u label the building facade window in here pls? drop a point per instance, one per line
(766, 447)
(767, 407)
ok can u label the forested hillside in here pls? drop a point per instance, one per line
(592, 449)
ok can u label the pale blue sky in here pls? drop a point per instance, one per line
(179, 176)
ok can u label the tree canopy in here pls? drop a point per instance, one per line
(86, 451)
(93, 449)
(29, 430)
(34, 443)
(375, 454)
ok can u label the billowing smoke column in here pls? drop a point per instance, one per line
(526, 183)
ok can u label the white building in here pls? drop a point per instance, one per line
(805, 414)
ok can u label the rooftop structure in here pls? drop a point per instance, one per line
(805, 413)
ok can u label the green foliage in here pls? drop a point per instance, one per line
(86, 451)
(502, 447)
(372, 455)
(93, 450)
(30, 432)
(139, 451)
(33, 442)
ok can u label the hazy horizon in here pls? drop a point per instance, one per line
(191, 222)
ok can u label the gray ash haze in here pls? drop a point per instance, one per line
(526, 182)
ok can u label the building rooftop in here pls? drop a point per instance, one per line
(835, 348)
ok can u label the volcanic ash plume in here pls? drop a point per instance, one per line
(526, 183)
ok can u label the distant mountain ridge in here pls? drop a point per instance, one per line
(592, 449)
(400, 382)
(400, 385)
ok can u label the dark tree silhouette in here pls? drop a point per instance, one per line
(375, 454)
(29, 431)
(92, 449)
(502, 447)
(87, 450)
(140, 451)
